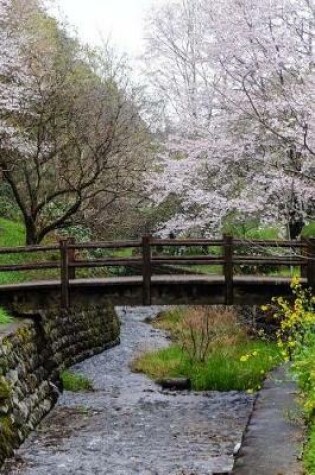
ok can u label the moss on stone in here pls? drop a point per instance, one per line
(23, 333)
(5, 389)
(7, 442)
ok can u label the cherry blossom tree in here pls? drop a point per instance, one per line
(177, 63)
(255, 157)
(72, 138)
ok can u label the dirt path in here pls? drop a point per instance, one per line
(129, 426)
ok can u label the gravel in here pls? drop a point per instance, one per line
(128, 425)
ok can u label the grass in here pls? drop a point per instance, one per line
(223, 369)
(12, 234)
(5, 318)
(309, 451)
(233, 361)
(309, 230)
(75, 382)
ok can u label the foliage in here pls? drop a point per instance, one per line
(309, 451)
(296, 339)
(296, 321)
(72, 141)
(8, 206)
(75, 382)
(309, 230)
(251, 230)
(224, 359)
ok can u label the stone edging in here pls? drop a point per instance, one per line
(273, 440)
(32, 355)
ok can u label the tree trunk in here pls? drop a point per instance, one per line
(31, 237)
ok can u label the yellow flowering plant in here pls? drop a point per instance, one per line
(296, 337)
(296, 319)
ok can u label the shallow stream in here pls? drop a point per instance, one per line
(128, 425)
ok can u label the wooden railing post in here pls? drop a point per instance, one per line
(228, 268)
(311, 262)
(146, 269)
(71, 257)
(304, 255)
(64, 268)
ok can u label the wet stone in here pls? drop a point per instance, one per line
(129, 425)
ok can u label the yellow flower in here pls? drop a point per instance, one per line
(244, 358)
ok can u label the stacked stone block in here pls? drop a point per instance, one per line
(32, 355)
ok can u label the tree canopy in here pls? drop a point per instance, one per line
(72, 136)
(241, 107)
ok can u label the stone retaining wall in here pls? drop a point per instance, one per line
(32, 355)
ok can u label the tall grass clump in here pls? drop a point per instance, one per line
(211, 348)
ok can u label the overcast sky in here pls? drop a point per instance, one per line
(121, 20)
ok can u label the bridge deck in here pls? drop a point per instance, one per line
(137, 280)
(164, 290)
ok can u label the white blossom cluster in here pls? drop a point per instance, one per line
(255, 156)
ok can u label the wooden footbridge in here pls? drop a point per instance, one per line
(155, 271)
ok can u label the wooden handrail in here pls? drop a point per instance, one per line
(106, 245)
(109, 262)
(186, 242)
(183, 259)
(267, 243)
(188, 262)
(33, 266)
(68, 261)
(28, 249)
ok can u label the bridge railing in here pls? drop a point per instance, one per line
(232, 256)
(167, 256)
